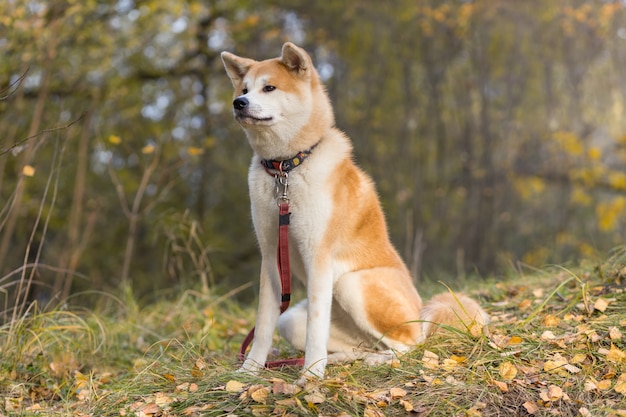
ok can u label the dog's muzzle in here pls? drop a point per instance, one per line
(244, 112)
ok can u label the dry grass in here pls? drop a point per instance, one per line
(555, 347)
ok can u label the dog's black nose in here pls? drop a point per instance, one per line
(240, 103)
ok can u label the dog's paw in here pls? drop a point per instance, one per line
(311, 373)
(306, 380)
(250, 367)
(368, 356)
(379, 358)
(302, 381)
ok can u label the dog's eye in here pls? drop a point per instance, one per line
(244, 91)
(269, 88)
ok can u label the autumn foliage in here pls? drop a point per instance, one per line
(494, 130)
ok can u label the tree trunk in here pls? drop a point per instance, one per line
(27, 158)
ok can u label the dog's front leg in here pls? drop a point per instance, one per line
(267, 317)
(320, 296)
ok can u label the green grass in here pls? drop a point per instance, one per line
(554, 348)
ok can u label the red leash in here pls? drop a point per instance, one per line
(282, 258)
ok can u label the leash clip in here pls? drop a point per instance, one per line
(282, 183)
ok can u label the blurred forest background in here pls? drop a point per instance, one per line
(495, 131)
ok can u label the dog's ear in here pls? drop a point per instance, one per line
(236, 66)
(296, 59)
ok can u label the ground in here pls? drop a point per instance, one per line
(554, 348)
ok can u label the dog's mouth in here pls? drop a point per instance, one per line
(249, 119)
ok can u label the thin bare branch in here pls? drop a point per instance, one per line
(52, 181)
(36, 265)
(119, 189)
(14, 86)
(42, 132)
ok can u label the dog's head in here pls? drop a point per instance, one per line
(279, 102)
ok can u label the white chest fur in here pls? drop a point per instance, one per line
(310, 206)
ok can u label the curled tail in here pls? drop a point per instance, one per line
(454, 310)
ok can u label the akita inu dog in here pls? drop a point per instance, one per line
(359, 291)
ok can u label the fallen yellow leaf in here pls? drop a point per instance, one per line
(604, 384)
(196, 373)
(620, 387)
(315, 397)
(396, 393)
(449, 364)
(551, 321)
(531, 407)
(591, 385)
(538, 292)
(614, 333)
(279, 386)
(37, 407)
(259, 394)
(609, 375)
(601, 304)
(162, 399)
(83, 394)
(430, 360)
(476, 329)
(150, 409)
(616, 355)
(508, 371)
(260, 410)
(13, 403)
(571, 369)
(372, 412)
(458, 359)
(200, 363)
(80, 380)
(197, 410)
(556, 366)
(502, 386)
(499, 341)
(234, 386)
(408, 407)
(473, 412)
(553, 393)
(287, 402)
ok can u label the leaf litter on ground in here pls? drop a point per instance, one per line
(555, 347)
